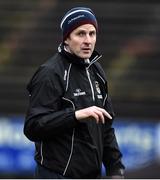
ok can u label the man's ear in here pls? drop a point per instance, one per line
(66, 42)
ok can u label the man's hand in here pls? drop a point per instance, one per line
(94, 112)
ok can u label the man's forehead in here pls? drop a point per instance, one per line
(86, 27)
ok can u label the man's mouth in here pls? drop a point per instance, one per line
(86, 50)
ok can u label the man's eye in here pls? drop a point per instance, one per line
(92, 33)
(81, 33)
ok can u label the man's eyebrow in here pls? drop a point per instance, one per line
(82, 30)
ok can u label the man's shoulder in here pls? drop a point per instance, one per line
(53, 64)
(52, 61)
(47, 70)
(98, 65)
(99, 68)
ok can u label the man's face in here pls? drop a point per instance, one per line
(81, 41)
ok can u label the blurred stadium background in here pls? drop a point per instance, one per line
(129, 39)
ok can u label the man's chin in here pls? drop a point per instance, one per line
(86, 56)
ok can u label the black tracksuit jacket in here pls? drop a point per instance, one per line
(62, 85)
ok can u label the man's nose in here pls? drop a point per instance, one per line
(87, 39)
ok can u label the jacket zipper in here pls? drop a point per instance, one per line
(91, 85)
(89, 78)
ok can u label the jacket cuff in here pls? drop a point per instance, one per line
(117, 174)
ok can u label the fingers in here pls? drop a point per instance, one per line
(99, 114)
(105, 113)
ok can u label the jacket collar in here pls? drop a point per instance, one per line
(77, 60)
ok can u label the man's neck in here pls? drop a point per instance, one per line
(87, 61)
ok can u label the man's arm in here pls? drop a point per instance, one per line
(112, 157)
(48, 114)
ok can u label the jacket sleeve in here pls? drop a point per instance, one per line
(47, 115)
(111, 152)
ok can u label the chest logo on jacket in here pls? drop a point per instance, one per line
(79, 92)
(97, 87)
(98, 90)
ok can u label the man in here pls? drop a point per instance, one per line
(70, 113)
